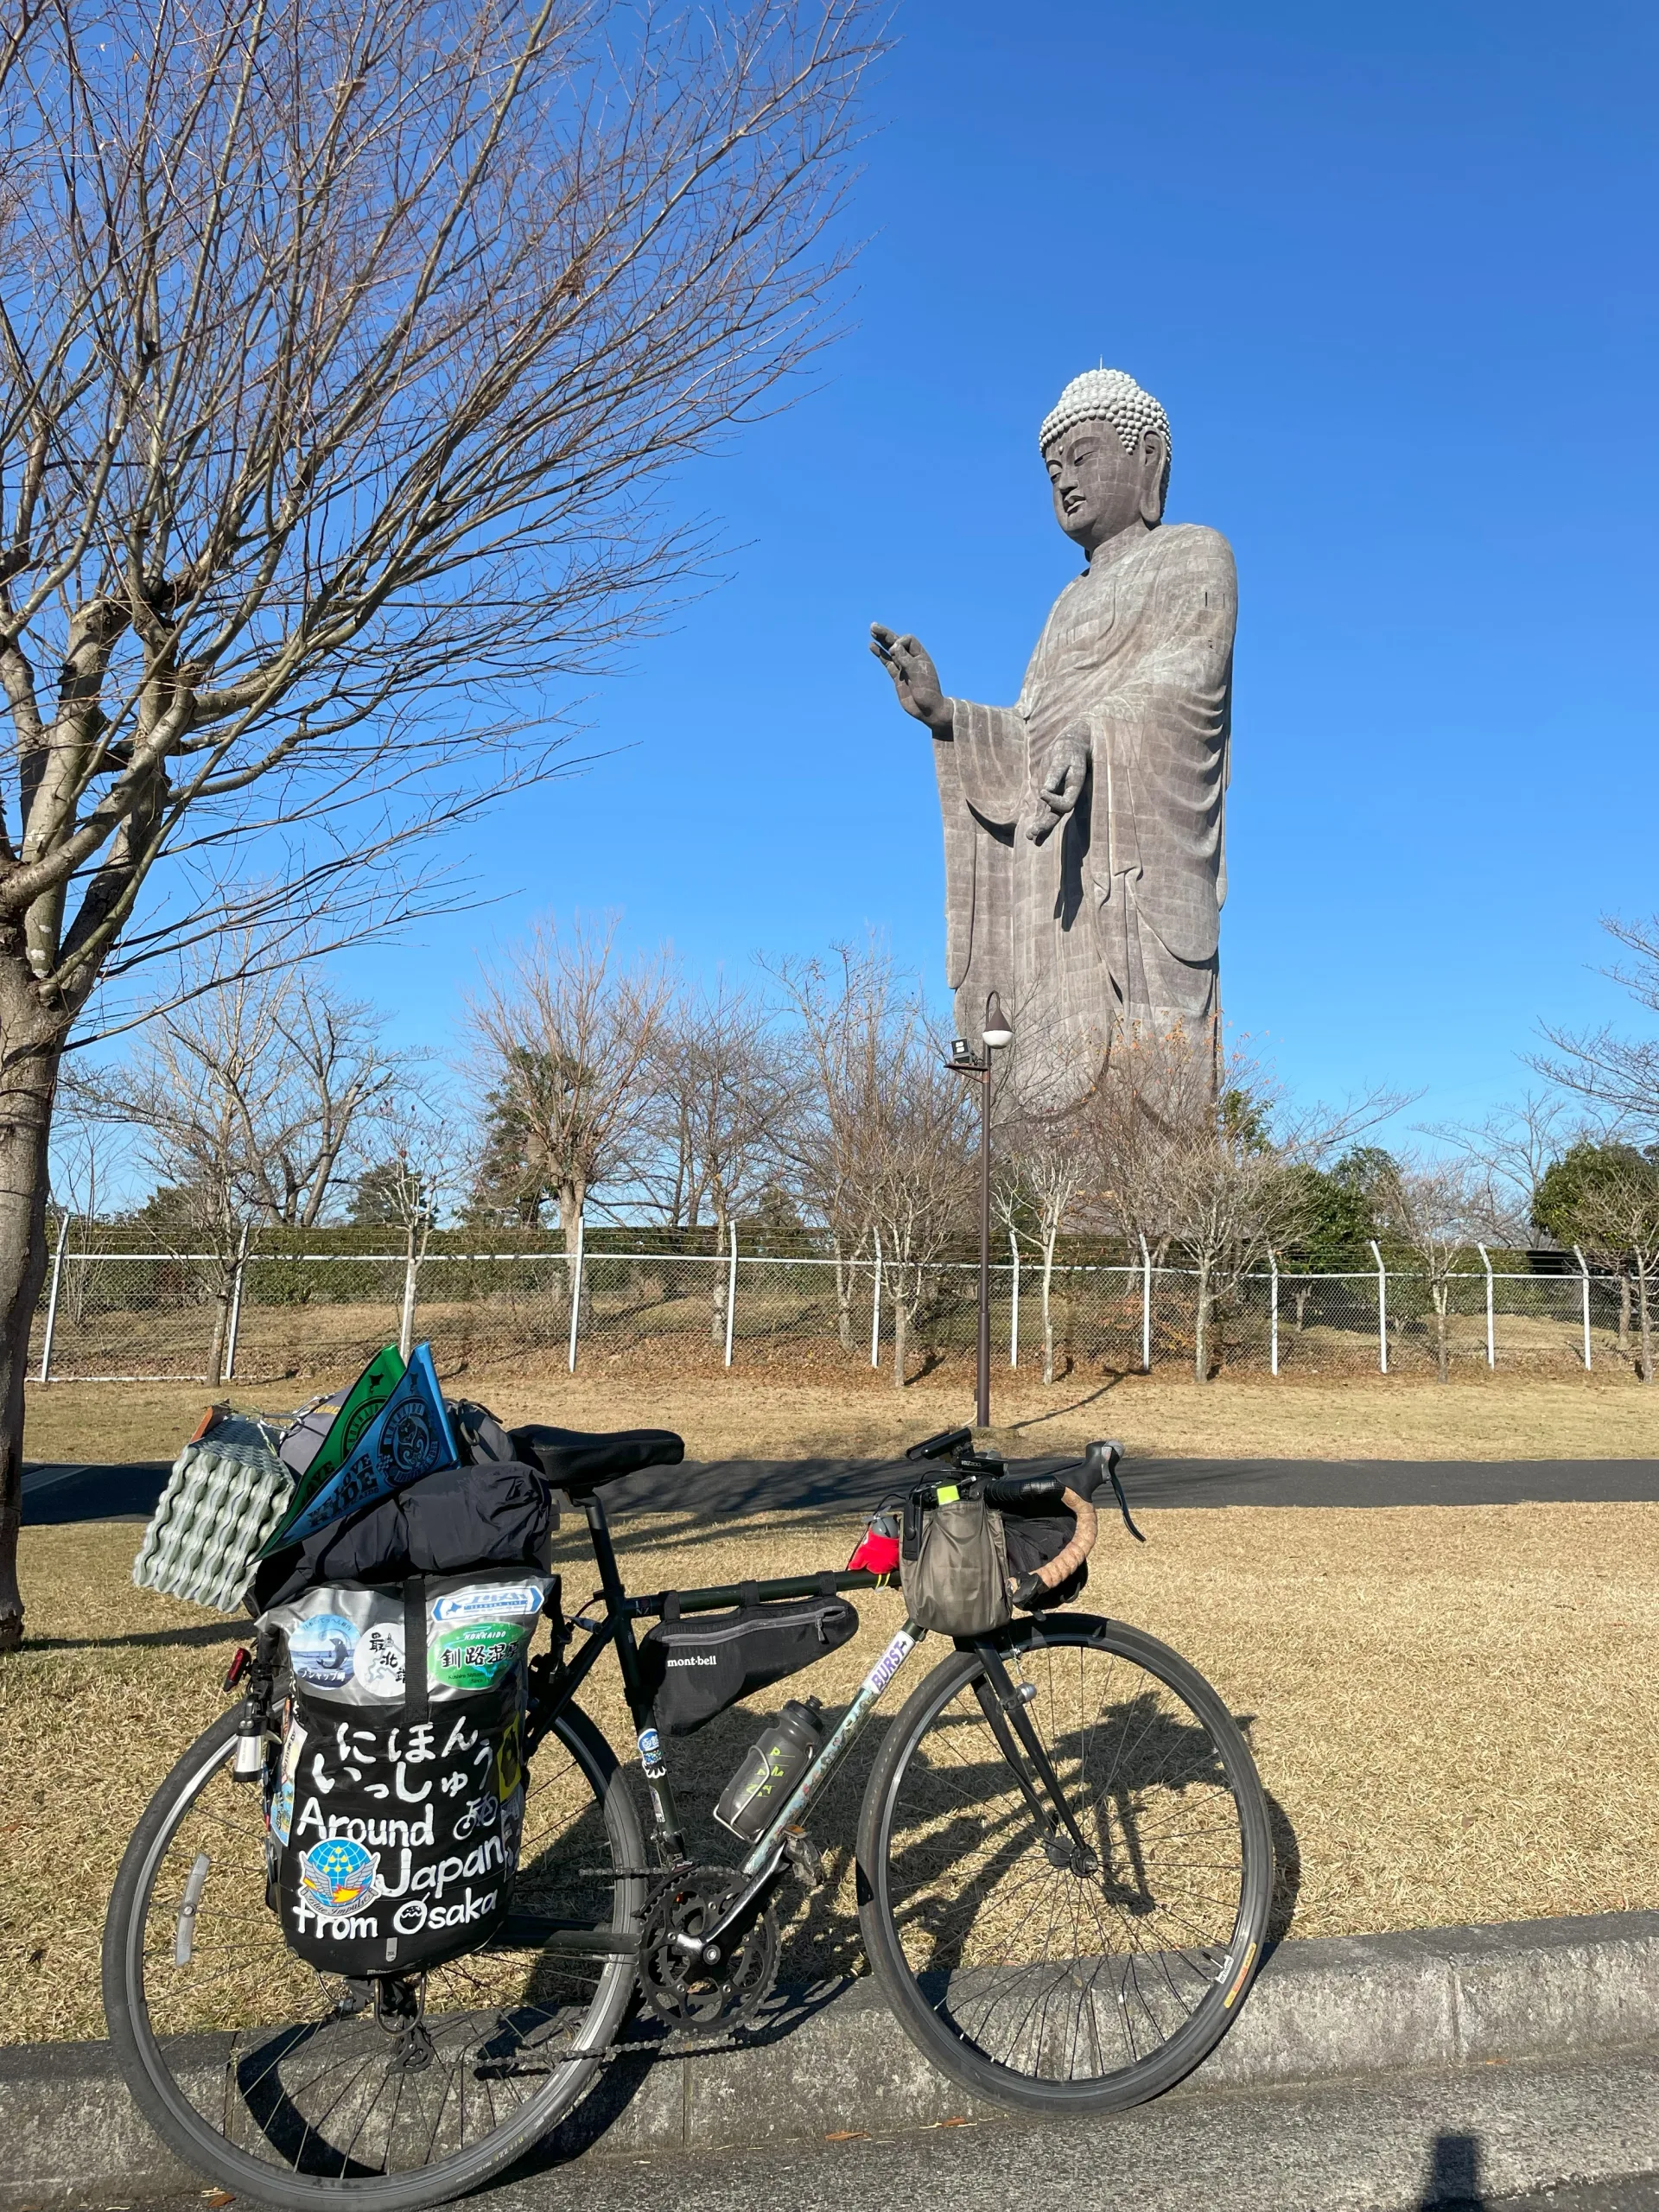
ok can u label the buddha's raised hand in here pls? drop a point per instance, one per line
(914, 676)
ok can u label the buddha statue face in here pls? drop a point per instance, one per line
(1100, 489)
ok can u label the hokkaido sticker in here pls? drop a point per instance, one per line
(472, 1658)
(320, 1649)
(379, 1660)
(486, 1603)
(339, 1877)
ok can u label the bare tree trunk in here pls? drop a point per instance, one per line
(843, 1294)
(1301, 1297)
(1440, 1292)
(1205, 1314)
(900, 1331)
(222, 1294)
(717, 1303)
(1623, 1315)
(572, 1197)
(1048, 1316)
(28, 1075)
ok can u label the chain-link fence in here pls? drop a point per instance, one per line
(258, 1315)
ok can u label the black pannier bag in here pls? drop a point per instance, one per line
(395, 1816)
(495, 1513)
(696, 1666)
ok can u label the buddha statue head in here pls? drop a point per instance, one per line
(1105, 445)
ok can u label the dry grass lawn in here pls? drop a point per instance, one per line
(1452, 1708)
(744, 1416)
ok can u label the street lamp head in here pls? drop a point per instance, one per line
(997, 1031)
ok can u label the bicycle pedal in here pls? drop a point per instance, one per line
(805, 1857)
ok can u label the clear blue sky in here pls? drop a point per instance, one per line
(1391, 272)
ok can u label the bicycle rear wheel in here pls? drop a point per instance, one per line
(1036, 1976)
(279, 2081)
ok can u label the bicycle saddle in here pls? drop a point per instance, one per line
(577, 1463)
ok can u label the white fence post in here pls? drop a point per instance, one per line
(1146, 1308)
(52, 1300)
(1274, 1359)
(235, 1321)
(1382, 1309)
(876, 1305)
(1584, 1277)
(731, 1294)
(575, 1291)
(1014, 1324)
(1492, 1340)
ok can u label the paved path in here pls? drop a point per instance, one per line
(718, 1488)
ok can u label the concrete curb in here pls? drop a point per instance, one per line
(836, 2061)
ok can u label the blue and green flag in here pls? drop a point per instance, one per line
(410, 1437)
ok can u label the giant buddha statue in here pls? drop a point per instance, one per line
(1084, 868)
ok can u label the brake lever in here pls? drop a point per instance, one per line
(1123, 1506)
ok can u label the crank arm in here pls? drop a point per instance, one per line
(740, 1915)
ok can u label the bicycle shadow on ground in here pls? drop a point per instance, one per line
(961, 1817)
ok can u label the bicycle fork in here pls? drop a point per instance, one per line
(1004, 1702)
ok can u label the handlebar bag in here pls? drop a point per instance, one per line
(395, 1809)
(1033, 1539)
(695, 1667)
(954, 1569)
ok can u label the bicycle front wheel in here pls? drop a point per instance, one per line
(1037, 1975)
(279, 2081)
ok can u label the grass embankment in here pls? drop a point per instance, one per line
(1451, 1708)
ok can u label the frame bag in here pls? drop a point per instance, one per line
(695, 1668)
(394, 1816)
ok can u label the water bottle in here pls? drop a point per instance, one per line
(764, 1783)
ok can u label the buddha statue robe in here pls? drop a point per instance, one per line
(1100, 923)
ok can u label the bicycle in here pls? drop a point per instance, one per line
(1065, 1872)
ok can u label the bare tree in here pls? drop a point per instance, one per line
(250, 1093)
(1045, 1163)
(340, 351)
(721, 1093)
(418, 1162)
(244, 1101)
(1513, 1148)
(568, 1032)
(1208, 1173)
(1439, 1209)
(1618, 1075)
(845, 1014)
(919, 1160)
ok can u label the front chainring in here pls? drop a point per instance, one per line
(680, 1989)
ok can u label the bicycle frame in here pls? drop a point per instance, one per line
(621, 1611)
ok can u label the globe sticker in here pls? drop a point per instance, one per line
(379, 1660)
(339, 1877)
(321, 1649)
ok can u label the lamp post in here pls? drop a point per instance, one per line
(994, 1034)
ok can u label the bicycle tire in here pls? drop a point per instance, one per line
(259, 2105)
(946, 1875)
